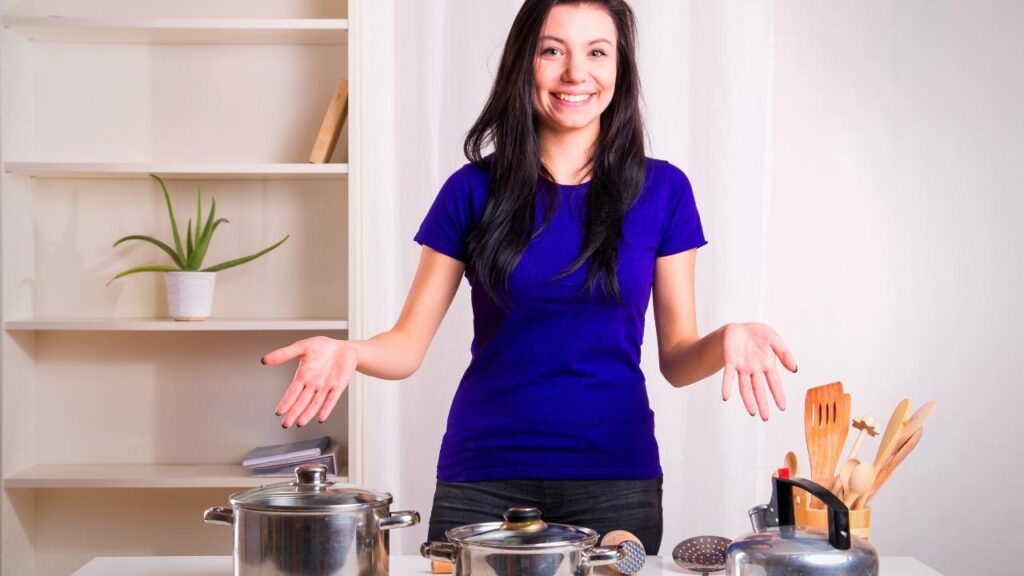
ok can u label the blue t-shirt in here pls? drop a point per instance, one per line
(554, 388)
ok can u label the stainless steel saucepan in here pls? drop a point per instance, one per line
(310, 526)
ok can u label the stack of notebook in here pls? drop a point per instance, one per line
(281, 459)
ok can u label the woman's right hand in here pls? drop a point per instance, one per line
(325, 366)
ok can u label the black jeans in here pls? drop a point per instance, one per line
(601, 505)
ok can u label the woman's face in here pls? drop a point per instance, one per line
(575, 67)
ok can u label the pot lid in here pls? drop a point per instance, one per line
(522, 528)
(311, 491)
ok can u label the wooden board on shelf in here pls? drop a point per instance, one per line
(168, 325)
(138, 476)
(178, 171)
(180, 30)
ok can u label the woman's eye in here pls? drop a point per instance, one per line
(550, 51)
(598, 53)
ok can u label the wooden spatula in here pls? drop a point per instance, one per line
(820, 427)
(915, 422)
(894, 461)
(892, 433)
(838, 436)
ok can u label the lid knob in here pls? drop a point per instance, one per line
(523, 518)
(311, 475)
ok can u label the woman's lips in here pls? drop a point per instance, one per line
(571, 100)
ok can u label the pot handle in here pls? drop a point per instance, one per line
(402, 519)
(219, 515)
(604, 555)
(441, 551)
(838, 513)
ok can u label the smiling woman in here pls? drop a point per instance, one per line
(574, 73)
(564, 229)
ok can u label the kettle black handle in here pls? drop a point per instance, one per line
(838, 513)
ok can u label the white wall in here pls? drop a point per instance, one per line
(852, 163)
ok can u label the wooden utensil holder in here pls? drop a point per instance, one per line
(817, 518)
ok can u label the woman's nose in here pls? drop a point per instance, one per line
(575, 69)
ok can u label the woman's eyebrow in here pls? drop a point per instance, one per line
(561, 41)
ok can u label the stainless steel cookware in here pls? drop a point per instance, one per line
(524, 544)
(310, 526)
(778, 547)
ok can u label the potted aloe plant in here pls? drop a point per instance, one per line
(189, 284)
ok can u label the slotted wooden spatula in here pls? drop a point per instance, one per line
(821, 428)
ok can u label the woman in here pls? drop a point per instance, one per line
(563, 232)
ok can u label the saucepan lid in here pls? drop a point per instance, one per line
(522, 528)
(311, 491)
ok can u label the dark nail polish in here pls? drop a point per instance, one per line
(796, 369)
(278, 414)
(262, 361)
(283, 426)
(299, 425)
(319, 421)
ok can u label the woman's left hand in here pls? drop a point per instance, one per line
(749, 352)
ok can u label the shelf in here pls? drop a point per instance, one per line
(180, 30)
(168, 325)
(139, 476)
(178, 171)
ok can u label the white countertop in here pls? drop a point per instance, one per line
(400, 566)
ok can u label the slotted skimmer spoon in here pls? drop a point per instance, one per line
(701, 554)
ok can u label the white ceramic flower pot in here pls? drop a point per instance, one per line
(190, 294)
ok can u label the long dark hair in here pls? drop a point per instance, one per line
(507, 122)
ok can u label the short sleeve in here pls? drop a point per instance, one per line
(682, 230)
(447, 225)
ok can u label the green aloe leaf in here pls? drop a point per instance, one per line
(188, 240)
(244, 259)
(199, 212)
(204, 243)
(174, 223)
(170, 252)
(144, 269)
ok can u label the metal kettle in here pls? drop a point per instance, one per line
(777, 547)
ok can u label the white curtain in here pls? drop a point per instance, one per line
(853, 165)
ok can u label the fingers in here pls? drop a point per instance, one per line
(729, 378)
(757, 382)
(311, 409)
(285, 354)
(292, 415)
(747, 394)
(289, 398)
(775, 386)
(785, 356)
(332, 399)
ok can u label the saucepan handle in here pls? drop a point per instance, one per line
(219, 515)
(441, 551)
(402, 519)
(604, 555)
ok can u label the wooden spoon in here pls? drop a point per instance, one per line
(866, 425)
(861, 481)
(792, 464)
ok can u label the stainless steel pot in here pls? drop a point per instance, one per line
(524, 544)
(778, 548)
(310, 526)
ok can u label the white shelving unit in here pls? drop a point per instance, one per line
(108, 404)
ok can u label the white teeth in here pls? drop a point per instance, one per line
(573, 97)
